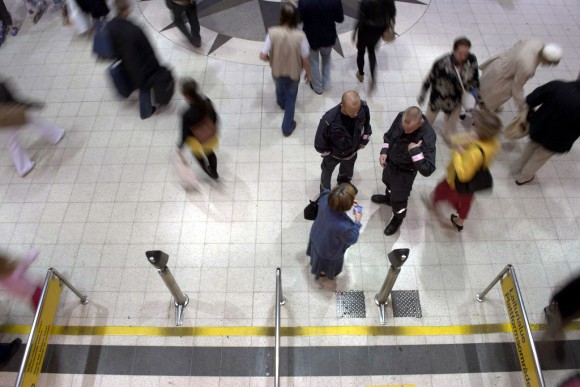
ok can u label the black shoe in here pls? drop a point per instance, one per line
(524, 182)
(381, 199)
(291, 130)
(212, 172)
(196, 42)
(312, 87)
(458, 227)
(393, 226)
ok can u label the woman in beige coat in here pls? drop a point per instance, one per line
(505, 74)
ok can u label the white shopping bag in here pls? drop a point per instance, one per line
(82, 22)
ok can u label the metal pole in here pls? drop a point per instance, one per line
(481, 296)
(280, 300)
(181, 299)
(23, 365)
(397, 258)
(83, 297)
(511, 269)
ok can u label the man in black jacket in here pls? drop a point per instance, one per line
(319, 17)
(138, 58)
(408, 147)
(554, 127)
(342, 131)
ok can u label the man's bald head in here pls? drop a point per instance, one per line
(412, 119)
(350, 104)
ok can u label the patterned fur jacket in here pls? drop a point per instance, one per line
(444, 84)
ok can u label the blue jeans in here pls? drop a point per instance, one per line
(286, 92)
(320, 82)
(145, 105)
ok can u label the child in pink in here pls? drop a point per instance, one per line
(14, 279)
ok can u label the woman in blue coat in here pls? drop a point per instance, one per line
(333, 231)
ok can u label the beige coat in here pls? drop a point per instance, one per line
(505, 74)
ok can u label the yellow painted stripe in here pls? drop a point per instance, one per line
(285, 331)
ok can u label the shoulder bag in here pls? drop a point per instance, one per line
(481, 181)
(311, 210)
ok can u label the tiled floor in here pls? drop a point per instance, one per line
(108, 192)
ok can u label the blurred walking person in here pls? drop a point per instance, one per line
(451, 76)
(333, 231)
(554, 127)
(319, 18)
(98, 10)
(14, 278)
(132, 47)
(199, 128)
(7, 25)
(504, 75)
(187, 8)
(287, 50)
(467, 158)
(374, 17)
(14, 116)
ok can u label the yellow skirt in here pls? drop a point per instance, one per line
(198, 149)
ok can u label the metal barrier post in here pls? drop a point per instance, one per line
(520, 324)
(280, 300)
(481, 296)
(159, 260)
(397, 258)
(42, 324)
(83, 297)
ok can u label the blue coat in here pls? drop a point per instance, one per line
(331, 234)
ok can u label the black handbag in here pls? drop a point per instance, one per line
(311, 210)
(481, 181)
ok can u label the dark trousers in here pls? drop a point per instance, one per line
(190, 12)
(145, 105)
(399, 182)
(345, 171)
(5, 15)
(367, 39)
(286, 94)
(568, 300)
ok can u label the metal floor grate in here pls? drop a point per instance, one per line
(350, 304)
(406, 303)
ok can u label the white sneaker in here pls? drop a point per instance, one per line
(61, 137)
(28, 170)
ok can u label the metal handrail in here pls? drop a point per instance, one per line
(83, 298)
(280, 300)
(481, 297)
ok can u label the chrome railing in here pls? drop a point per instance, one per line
(280, 300)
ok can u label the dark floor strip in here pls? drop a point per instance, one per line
(298, 361)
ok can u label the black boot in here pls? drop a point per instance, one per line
(393, 225)
(381, 199)
(212, 167)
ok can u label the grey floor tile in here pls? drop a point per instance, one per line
(237, 361)
(383, 360)
(177, 361)
(354, 361)
(443, 359)
(263, 364)
(324, 361)
(148, 360)
(295, 361)
(119, 360)
(206, 361)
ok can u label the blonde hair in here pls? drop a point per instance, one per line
(7, 266)
(487, 125)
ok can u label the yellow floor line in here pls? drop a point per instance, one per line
(285, 331)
